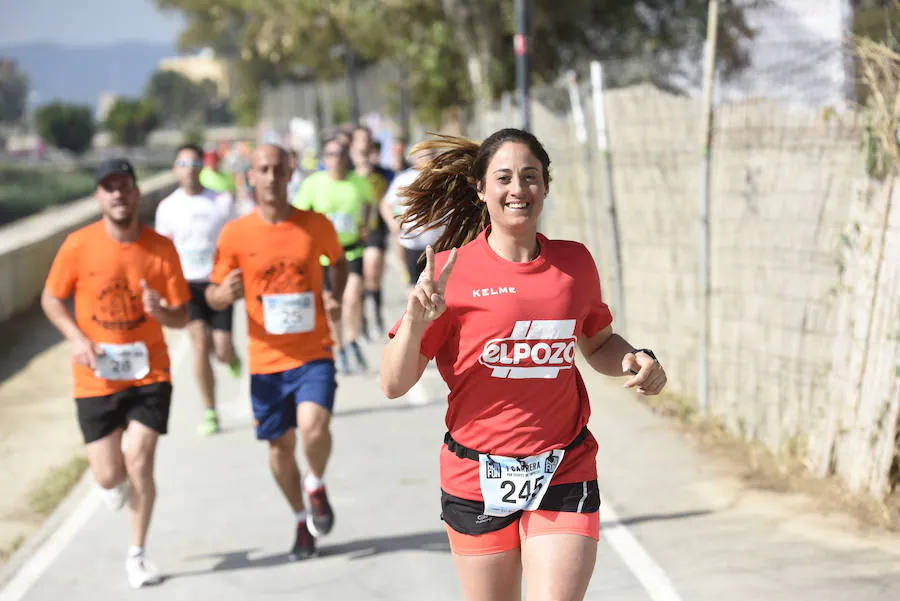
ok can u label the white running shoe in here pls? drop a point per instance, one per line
(115, 497)
(141, 571)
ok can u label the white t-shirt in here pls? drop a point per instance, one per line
(409, 238)
(193, 223)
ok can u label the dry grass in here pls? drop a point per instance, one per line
(55, 486)
(880, 74)
(758, 468)
(7, 551)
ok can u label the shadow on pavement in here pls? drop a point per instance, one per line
(359, 549)
(388, 407)
(25, 336)
(659, 517)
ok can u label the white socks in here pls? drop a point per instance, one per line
(313, 483)
(135, 551)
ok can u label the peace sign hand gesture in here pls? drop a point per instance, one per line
(426, 301)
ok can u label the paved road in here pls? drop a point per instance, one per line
(673, 529)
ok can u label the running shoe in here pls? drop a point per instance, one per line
(235, 367)
(210, 423)
(321, 513)
(116, 496)
(343, 365)
(359, 357)
(141, 571)
(304, 544)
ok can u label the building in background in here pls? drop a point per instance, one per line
(200, 67)
(105, 103)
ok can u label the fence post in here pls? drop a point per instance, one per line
(581, 134)
(707, 129)
(603, 146)
(522, 42)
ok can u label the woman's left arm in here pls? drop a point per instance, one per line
(611, 355)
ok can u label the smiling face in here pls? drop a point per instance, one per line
(514, 188)
(119, 198)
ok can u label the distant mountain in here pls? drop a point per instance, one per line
(82, 73)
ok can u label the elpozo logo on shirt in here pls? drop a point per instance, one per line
(535, 349)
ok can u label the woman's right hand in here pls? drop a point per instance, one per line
(426, 300)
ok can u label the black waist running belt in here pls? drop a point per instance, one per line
(467, 453)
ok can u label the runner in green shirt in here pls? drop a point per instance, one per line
(213, 179)
(346, 199)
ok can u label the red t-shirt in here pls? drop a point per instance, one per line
(506, 348)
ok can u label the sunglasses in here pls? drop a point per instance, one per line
(188, 163)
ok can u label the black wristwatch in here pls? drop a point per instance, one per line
(646, 351)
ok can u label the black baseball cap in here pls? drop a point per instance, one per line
(113, 167)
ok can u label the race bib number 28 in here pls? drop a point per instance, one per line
(123, 361)
(509, 485)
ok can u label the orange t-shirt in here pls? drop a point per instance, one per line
(105, 276)
(281, 261)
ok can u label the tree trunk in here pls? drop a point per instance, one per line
(472, 35)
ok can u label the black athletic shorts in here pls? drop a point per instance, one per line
(100, 416)
(198, 308)
(467, 517)
(354, 266)
(379, 236)
(413, 266)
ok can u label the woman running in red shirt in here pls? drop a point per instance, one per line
(518, 471)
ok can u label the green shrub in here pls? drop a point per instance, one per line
(66, 126)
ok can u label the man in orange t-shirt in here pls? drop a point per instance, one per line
(120, 272)
(271, 258)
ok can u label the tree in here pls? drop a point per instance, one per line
(131, 121)
(456, 50)
(13, 92)
(878, 20)
(66, 126)
(180, 99)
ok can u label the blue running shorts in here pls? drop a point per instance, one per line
(275, 396)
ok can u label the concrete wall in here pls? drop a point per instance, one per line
(805, 267)
(28, 246)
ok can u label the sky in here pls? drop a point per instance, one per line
(85, 22)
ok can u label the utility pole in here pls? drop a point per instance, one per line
(522, 42)
(404, 103)
(352, 91)
(709, 69)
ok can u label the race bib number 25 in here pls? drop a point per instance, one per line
(509, 484)
(289, 313)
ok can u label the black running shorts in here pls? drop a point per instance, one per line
(414, 267)
(100, 416)
(378, 237)
(467, 517)
(199, 309)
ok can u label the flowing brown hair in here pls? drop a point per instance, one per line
(445, 193)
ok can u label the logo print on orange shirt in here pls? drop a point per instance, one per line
(283, 276)
(118, 308)
(536, 349)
